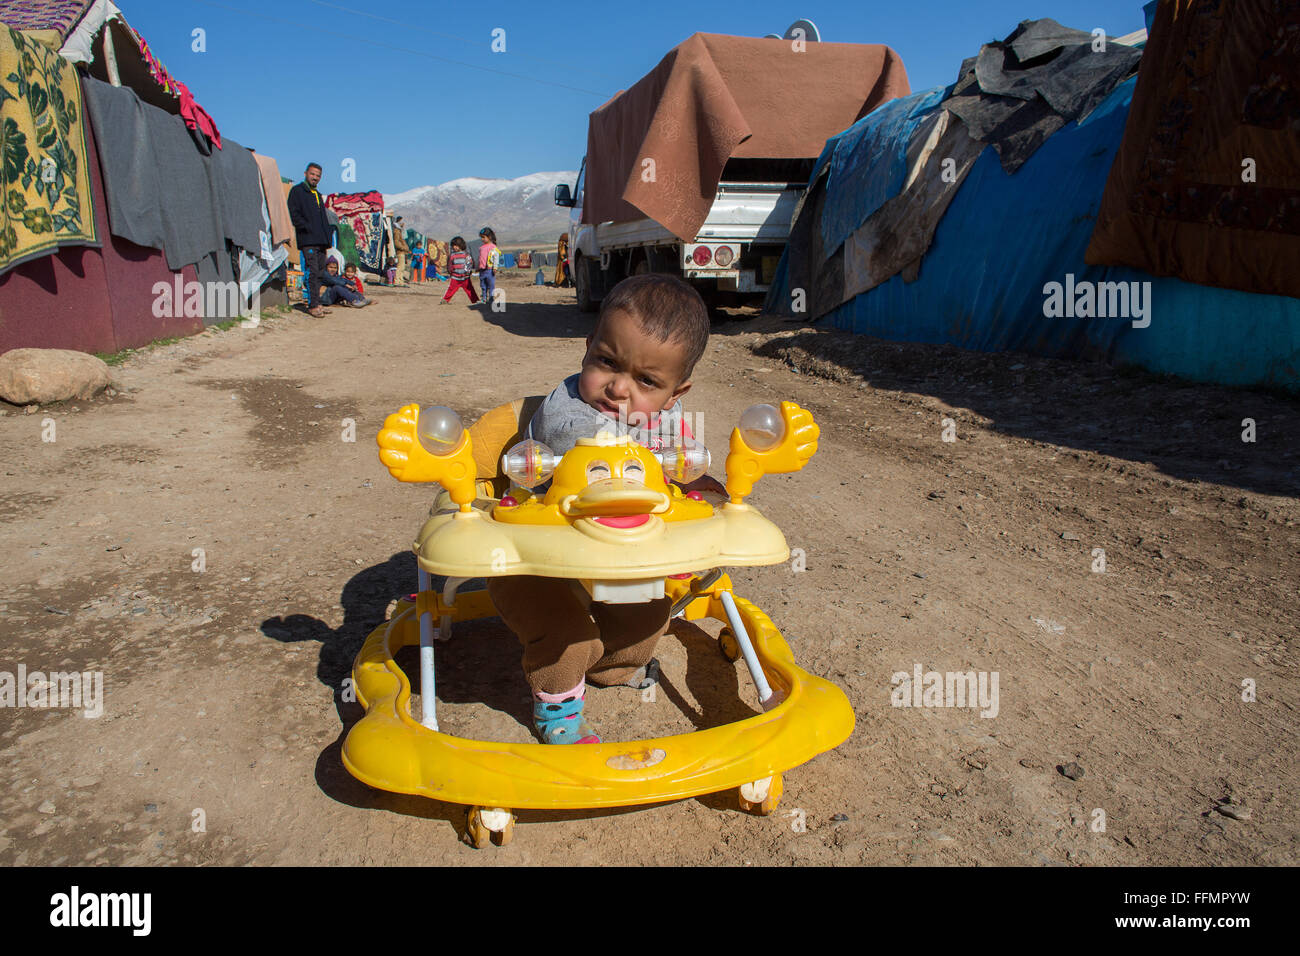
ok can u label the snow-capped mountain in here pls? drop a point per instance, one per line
(518, 210)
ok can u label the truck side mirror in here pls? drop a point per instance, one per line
(562, 197)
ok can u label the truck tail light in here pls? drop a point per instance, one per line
(701, 255)
(723, 256)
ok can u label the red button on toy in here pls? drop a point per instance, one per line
(508, 502)
(695, 495)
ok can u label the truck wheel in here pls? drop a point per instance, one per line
(582, 282)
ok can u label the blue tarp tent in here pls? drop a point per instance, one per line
(986, 281)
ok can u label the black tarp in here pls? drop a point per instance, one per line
(1018, 92)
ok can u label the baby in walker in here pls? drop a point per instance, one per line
(651, 332)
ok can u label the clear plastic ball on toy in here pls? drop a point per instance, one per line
(439, 429)
(685, 462)
(762, 427)
(529, 463)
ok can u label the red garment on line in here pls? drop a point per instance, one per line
(194, 115)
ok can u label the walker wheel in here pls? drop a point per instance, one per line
(761, 797)
(484, 825)
(728, 644)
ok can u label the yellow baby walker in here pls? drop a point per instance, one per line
(611, 521)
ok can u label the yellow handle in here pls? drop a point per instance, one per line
(745, 466)
(407, 460)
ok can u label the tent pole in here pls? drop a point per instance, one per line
(110, 58)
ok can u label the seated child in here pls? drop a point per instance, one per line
(337, 289)
(354, 279)
(651, 331)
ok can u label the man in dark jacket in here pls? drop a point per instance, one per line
(307, 210)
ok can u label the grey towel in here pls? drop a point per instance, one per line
(564, 417)
(162, 193)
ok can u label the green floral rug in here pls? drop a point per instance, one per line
(47, 194)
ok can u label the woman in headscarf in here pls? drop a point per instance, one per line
(562, 262)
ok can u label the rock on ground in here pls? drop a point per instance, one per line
(50, 375)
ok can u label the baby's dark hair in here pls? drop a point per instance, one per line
(666, 308)
(458, 242)
(350, 267)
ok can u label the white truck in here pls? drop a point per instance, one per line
(735, 252)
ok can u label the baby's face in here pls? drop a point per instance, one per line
(332, 267)
(629, 374)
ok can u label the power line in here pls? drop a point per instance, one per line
(388, 46)
(451, 36)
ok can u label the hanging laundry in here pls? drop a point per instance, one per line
(47, 199)
(164, 194)
(278, 208)
(364, 213)
(438, 252)
(195, 116)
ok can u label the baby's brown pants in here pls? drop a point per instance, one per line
(568, 637)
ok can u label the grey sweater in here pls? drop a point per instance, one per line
(564, 417)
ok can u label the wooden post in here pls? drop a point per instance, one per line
(110, 58)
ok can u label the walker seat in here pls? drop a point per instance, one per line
(611, 521)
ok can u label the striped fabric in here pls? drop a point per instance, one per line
(61, 15)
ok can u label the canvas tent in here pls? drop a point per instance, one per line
(104, 298)
(91, 299)
(892, 241)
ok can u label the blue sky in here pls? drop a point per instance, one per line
(417, 97)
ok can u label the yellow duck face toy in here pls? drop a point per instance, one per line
(608, 476)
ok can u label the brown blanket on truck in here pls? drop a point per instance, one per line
(658, 148)
(1206, 184)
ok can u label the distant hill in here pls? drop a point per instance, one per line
(519, 211)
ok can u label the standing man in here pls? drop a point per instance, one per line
(307, 210)
(403, 250)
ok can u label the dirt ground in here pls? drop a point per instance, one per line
(221, 687)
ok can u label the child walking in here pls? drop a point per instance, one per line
(460, 267)
(651, 332)
(489, 258)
